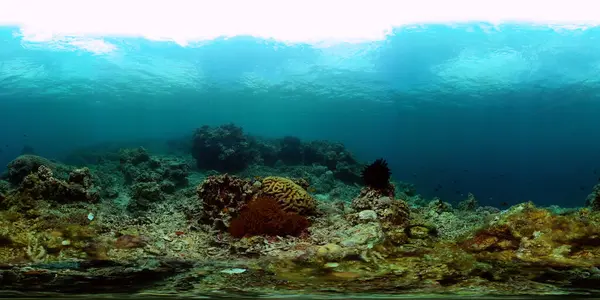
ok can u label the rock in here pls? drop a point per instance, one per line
(25, 165)
(90, 277)
(81, 177)
(363, 235)
(331, 252)
(391, 213)
(367, 215)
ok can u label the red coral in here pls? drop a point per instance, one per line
(264, 216)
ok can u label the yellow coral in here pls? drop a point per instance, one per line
(291, 196)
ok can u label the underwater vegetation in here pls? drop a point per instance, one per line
(240, 214)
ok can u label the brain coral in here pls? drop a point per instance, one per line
(290, 195)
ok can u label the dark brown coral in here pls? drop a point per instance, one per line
(264, 216)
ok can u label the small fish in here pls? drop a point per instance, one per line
(458, 192)
(6, 146)
(595, 171)
(504, 204)
(582, 188)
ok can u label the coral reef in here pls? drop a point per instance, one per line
(391, 212)
(223, 197)
(593, 199)
(138, 166)
(224, 148)
(27, 164)
(41, 185)
(151, 178)
(287, 222)
(4, 186)
(291, 152)
(533, 235)
(335, 157)
(290, 195)
(265, 216)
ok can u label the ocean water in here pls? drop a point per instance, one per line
(507, 112)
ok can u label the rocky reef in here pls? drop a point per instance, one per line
(290, 217)
(227, 148)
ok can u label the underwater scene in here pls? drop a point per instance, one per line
(358, 158)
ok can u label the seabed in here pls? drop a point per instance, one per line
(140, 225)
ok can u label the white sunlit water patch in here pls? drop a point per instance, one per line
(306, 21)
(343, 39)
(501, 69)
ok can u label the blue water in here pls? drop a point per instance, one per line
(509, 113)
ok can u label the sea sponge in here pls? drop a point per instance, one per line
(264, 216)
(291, 196)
